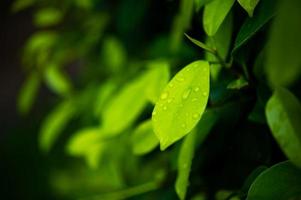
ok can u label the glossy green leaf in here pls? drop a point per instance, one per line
(181, 103)
(48, 17)
(184, 164)
(28, 92)
(144, 139)
(249, 5)
(282, 182)
(283, 61)
(125, 106)
(237, 84)
(264, 13)
(250, 179)
(214, 14)
(57, 81)
(158, 75)
(89, 143)
(54, 124)
(283, 112)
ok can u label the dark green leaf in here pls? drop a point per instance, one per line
(249, 5)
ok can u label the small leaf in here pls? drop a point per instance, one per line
(48, 17)
(184, 164)
(249, 5)
(57, 81)
(182, 103)
(214, 14)
(237, 84)
(144, 139)
(125, 106)
(199, 44)
(89, 143)
(158, 75)
(283, 112)
(28, 92)
(264, 13)
(283, 60)
(282, 182)
(19, 5)
(54, 124)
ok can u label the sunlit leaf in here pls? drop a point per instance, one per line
(48, 17)
(264, 13)
(144, 139)
(214, 14)
(184, 164)
(57, 81)
(158, 75)
(283, 61)
(249, 5)
(28, 92)
(283, 112)
(55, 123)
(181, 103)
(125, 106)
(282, 182)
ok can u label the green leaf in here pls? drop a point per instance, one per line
(103, 96)
(19, 5)
(89, 143)
(57, 81)
(214, 14)
(237, 84)
(158, 75)
(249, 5)
(283, 112)
(182, 103)
(28, 92)
(283, 60)
(250, 179)
(282, 182)
(200, 44)
(48, 17)
(184, 164)
(125, 106)
(200, 3)
(264, 13)
(54, 124)
(144, 139)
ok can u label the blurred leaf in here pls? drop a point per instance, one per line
(184, 164)
(283, 112)
(47, 17)
(158, 75)
(144, 139)
(250, 179)
(264, 13)
(19, 5)
(28, 93)
(182, 103)
(249, 5)
(282, 182)
(284, 45)
(54, 124)
(200, 3)
(237, 84)
(113, 54)
(89, 143)
(125, 106)
(214, 14)
(57, 81)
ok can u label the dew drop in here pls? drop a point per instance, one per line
(195, 116)
(164, 95)
(186, 94)
(183, 125)
(194, 99)
(170, 85)
(204, 94)
(169, 100)
(154, 113)
(196, 89)
(180, 79)
(164, 108)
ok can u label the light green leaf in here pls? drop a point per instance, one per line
(282, 182)
(57, 81)
(144, 139)
(237, 84)
(200, 3)
(214, 14)
(55, 123)
(88, 142)
(48, 17)
(249, 5)
(182, 103)
(104, 93)
(184, 164)
(28, 92)
(283, 112)
(283, 61)
(158, 75)
(125, 107)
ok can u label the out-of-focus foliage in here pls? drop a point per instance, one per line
(123, 80)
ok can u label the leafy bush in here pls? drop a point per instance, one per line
(156, 114)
